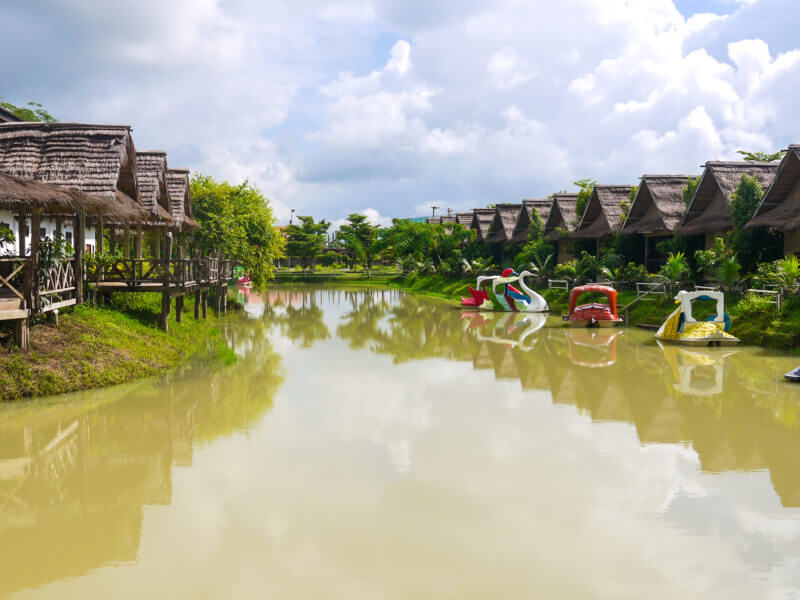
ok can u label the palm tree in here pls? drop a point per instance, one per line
(674, 270)
(727, 273)
(788, 274)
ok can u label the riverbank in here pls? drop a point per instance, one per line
(100, 346)
(755, 320)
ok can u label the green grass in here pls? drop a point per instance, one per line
(100, 346)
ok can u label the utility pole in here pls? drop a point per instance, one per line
(291, 216)
(433, 216)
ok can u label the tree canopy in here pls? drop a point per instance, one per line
(307, 240)
(761, 156)
(584, 195)
(237, 221)
(689, 189)
(33, 111)
(360, 238)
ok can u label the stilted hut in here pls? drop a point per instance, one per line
(780, 206)
(603, 215)
(656, 213)
(523, 225)
(481, 220)
(561, 219)
(180, 200)
(27, 285)
(709, 212)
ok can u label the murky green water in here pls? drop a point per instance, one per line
(377, 445)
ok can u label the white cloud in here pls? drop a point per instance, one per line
(400, 60)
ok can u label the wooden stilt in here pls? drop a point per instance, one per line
(80, 247)
(205, 303)
(21, 334)
(197, 295)
(21, 234)
(36, 221)
(126, 240)
(178, 309)
(165, 297)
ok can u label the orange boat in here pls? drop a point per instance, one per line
(593, 314)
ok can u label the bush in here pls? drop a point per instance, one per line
(587, 266)
(566, 270)
(632, 273)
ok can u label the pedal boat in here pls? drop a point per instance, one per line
(593, 314)
(682, 328)
(508, 298)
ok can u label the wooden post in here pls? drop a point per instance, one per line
(99, 248)
(197, 301)
(58, 227)
(181, 271)
(205, 303)
(21, 334)
(112, 239)
(36, 221)
(21, 234)
(80, 247)
(165, 298)
(139, 241)
(126, 251)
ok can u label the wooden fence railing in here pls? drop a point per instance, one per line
(14, 286)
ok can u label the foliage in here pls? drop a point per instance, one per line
(689, 189)
(625, 205)
(762, 156)
(536, 226)
(675, 269)
(709, 260)
(632, 273)
(750, 247)
(745, 200)
(587, 266)
(33, 111)
(360, 238)
(476, 266)
(238, 222)
(6, 235)
(306, 241)
(585, 187)
(566, 270)
(538, 252)
(787, 274)
(727, 273)
(765, 274)
(418, 244)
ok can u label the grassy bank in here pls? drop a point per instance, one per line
(755, 321)
(99, 346)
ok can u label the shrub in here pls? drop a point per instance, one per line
(566, 270)
(632, 273)
(587, 266)
(787, 274)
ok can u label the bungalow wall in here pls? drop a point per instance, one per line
(47, 229)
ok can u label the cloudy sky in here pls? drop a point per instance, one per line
(390, 106)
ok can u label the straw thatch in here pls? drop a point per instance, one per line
(8, 117)
(603, 214)
(464, 218)
(658, 206)
(710, 209)
(780, 206)
(180, 198)
(562, 215)
(502, 226)
(25, 196)
(433, 220)
(523, 225)
(481, 219)
(448, 219)
(95, 159)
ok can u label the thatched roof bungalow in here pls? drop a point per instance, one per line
(523, 225)
(709, 212)
(561, 218)
(448, 219)
(433, 220)
(465, 218)
(180, 199)
(153, 190)
(656, 211)
(603, 214)
(481, 220)
(503, 222)
(780, 206)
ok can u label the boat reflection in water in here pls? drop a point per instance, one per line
(592, 348)
(697, 372)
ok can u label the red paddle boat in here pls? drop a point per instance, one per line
(593, 314)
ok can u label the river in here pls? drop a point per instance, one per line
(372, 444)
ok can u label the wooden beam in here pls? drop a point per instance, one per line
(139, 241)
(126, 239)
(80, 248)
(36, 221)
(21, 234)
(165, 297)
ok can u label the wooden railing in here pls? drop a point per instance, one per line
(56, 286)
(177, 271)
(14, 281)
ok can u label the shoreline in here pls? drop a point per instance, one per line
(98, 347)
(755, 321)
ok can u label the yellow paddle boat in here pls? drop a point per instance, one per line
(682, 328)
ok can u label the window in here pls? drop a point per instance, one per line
(68, 236)
(42, 233)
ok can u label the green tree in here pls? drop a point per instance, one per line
(759, 245)
(32, 112)
(584, 194)
(307, 240)
(762, 156)
(360, 237)
(745, 200)
(422, 243)
(625, 205)
(237, 221)
(6, 235)
(689, 189)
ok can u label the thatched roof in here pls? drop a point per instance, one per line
(562, 215)
(503, 222)
(26, 195)
(96, 159)
(523, 226)
(710, 208)
(433, 220)
(8, 117)
(464, 218)
(603, 214)
(658, 206)
(448, 219)
(780, 206)
(481, 219)
(180, 198)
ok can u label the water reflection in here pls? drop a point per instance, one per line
(75, 474)
(729, 405)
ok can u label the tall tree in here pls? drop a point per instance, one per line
(751, 247)
(584, 194)
(689, 189)
(238, 221)
(307, 240)
(33, 111)
(360, 237)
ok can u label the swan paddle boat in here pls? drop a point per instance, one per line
(509, 329)
(682, 328)
(593, 314)
(498, 293)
